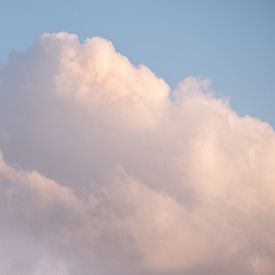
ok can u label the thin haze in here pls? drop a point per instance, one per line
(107, 170)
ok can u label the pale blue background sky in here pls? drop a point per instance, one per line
(230, 42)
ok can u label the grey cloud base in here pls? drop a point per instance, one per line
(106, 171)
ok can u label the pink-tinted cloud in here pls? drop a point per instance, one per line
(106, 170)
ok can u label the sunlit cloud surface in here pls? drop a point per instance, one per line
(106, 170)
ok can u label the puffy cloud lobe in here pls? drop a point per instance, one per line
(107, 171)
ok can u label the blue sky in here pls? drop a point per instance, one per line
(230, 42)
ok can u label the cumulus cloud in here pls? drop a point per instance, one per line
(106, 170)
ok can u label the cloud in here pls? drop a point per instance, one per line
(106, 170)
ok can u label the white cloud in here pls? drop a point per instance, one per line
(107, 171)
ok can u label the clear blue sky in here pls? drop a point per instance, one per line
(230, 42)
